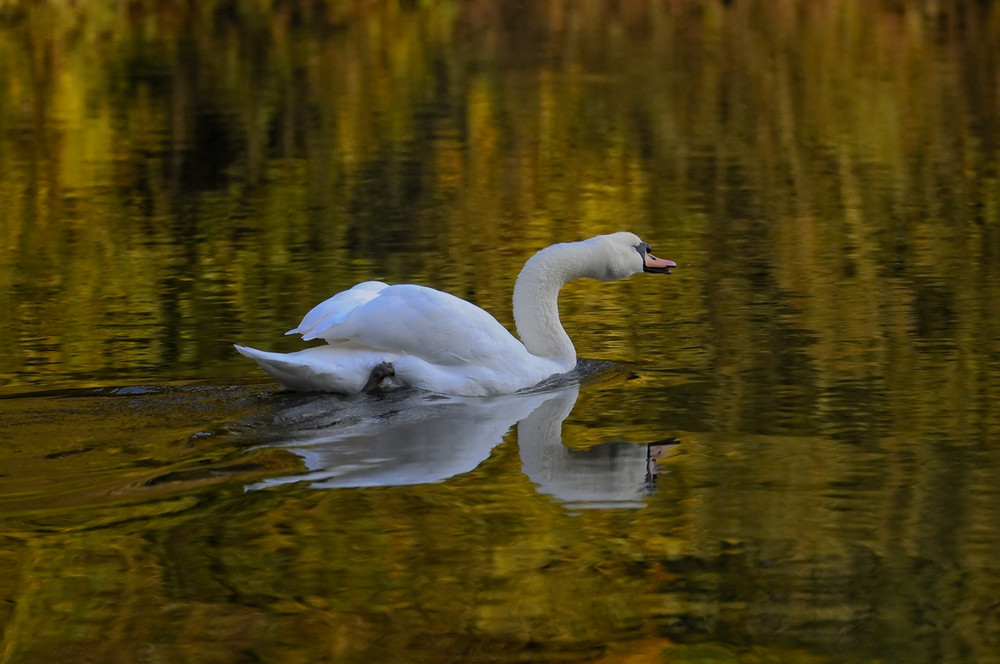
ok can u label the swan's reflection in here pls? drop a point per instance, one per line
(419, 438)
(398, 440)
(607, 475)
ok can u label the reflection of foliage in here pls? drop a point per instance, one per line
(199, 172)
(441, 572)
(447, 572)
(176, 176)
(181, 176)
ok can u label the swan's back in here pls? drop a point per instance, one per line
(411, 320)
(336, 309)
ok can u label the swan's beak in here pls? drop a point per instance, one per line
(651, 263)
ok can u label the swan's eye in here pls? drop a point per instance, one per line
(643, 249)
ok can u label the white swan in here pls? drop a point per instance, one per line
(416, 336)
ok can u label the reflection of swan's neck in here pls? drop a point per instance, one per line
(536, 300)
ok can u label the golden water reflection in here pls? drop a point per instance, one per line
(178, 177)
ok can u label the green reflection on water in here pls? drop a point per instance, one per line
(175, 178)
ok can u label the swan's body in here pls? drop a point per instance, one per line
(416, 336)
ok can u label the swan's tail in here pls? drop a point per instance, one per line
(285, 370)
(311, 370)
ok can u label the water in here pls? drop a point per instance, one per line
(784, 451)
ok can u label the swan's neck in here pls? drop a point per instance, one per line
(536, 301)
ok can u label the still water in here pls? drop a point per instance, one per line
(785, 451)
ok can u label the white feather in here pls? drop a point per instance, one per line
(438, 342)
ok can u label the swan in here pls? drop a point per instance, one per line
(414, 336)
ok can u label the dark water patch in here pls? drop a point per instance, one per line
(188, 387)
(66, 453)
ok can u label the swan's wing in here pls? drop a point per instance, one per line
(426, 323)
(336, 309)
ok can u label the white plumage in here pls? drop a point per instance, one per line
(432, 340)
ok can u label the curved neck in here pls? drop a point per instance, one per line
(536, 301)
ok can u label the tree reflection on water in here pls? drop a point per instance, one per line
(177, 177)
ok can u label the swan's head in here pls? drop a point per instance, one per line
(621, 255)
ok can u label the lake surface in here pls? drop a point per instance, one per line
(786, 451)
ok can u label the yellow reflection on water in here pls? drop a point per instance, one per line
(175, 178)
(187, 176)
